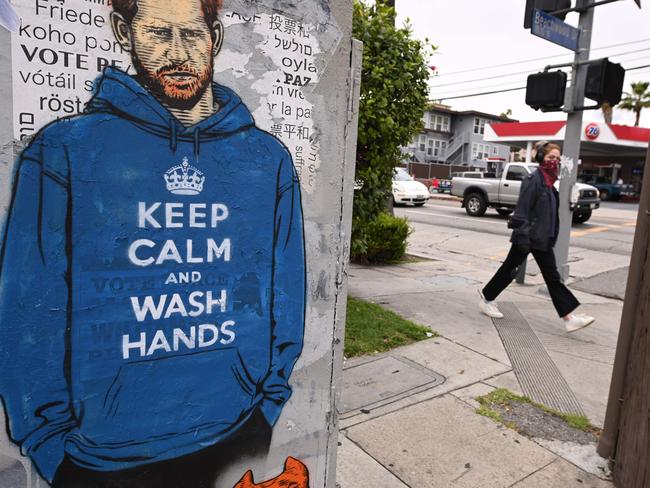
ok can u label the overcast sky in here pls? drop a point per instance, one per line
(473, 35)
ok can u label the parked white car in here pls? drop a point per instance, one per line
(407, 190)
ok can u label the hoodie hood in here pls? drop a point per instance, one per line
(122, 95)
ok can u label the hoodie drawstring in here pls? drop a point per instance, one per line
(197, 143)
(173, 139)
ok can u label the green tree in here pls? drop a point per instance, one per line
(637, 99)
(394, 95)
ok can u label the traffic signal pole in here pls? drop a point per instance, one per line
(574, 102)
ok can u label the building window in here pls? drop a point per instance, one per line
(480, 151)
(440, 148)
(440, 123)
(479, 125)
(436, 148)
(495, 150)
(422, 143)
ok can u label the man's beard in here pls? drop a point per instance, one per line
(177, 94)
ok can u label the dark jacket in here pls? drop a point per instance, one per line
(535, 214)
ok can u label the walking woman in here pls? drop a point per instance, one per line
(536, 224)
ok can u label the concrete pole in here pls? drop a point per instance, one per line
(529, 152)
(574, 100)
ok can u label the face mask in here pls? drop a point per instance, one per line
(550, 170)
(552, 167)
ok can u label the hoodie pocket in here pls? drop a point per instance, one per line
(171, 396)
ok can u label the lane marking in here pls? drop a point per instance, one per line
(447, 216)
(498, 257)
(578, 233)
(593, 230)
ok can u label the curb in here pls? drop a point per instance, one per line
(435, 196)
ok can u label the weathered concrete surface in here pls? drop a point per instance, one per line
(442, 312)
(385, 378)
(443, 443)
(609, 284)
(471, 393)
(507, 381)
(459, 366)
(561, 474)
(583, 456)
(357, 469)
(13, 475)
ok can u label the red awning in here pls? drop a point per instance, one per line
(628, 133)
(518, 129)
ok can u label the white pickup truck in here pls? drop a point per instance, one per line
(502, 193)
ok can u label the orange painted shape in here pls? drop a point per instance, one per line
(295, 475)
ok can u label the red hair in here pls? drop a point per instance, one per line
(129, 8)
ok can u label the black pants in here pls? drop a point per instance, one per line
(199, 470)
(563, 299)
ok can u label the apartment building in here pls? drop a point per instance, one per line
(456, 138)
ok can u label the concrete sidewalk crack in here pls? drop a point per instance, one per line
(533, 473)
(352, 441)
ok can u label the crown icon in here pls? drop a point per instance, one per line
(184, 179)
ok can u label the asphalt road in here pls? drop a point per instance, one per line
(610, 229)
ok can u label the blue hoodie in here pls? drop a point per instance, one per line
(152, 282)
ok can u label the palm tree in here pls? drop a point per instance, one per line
(637, 100)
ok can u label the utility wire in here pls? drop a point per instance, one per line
(511, 89)
(636, 59)
(506, 83)
(483, 93)
(638, 67)
(524, 72)
(485, 87)
(527, 72)
(524, 61)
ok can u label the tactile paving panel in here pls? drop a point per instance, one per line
(538, 376)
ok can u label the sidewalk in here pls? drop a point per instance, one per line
(407, 417)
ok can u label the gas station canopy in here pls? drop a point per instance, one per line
(598, 138)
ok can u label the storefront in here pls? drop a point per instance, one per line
(610, 152)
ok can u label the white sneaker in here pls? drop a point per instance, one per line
(577, 322)
(489, 308)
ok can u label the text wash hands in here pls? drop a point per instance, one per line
(179, 216)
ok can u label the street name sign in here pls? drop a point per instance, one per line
(553, 29)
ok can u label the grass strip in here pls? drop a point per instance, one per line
(370, 328)
(504, 398)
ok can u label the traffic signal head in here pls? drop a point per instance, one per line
(605, 81)
(546, 90)
(547, 6)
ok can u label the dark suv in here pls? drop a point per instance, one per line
(607, 189)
